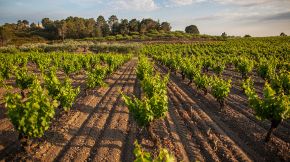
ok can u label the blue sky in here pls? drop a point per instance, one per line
(235, 17)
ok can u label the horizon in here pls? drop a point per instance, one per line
(237, 18)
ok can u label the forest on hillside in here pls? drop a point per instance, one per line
(99, 28)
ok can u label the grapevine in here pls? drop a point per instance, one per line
(31, 117)
(273, 107)
(220, 90)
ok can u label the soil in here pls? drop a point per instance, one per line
(230, 134)
(100, 128)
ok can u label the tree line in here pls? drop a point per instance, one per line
(78, 28)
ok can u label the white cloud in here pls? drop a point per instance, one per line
(235, 2)
(246, 3)
(85, 1)
(245, 16)
(183, 2)
(249, 10)
(243, 2)
(137, 5)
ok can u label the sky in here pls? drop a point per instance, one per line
(235, 17)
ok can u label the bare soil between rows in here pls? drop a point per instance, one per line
(237, 134)
(100, 128)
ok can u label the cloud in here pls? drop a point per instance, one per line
(243, 2)
(225, 2)
(182, 2)
(211, 16)
(245, 18)
(248, 11)
(85, 2)
(208, 18)
(278, 16)
(136, 5)
(172, 3)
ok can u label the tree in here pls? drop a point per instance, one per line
(6, 34)
(98, 31)
(50, 30)
(192, 29)
(165, 26)
(19, 25)
(247, 36)
(22, 24)
(81, 27)
(102, 27)
(124, 27)
(147, 25)
(115, 28)
(61, 29)
(33, 26)
(90, 27)
(142, 28)
(106, 30)
(283, 34)
(134, 25)
(25, 22)
(71, 27)
(47, 24)
(224, 35)
(77, 28)
(101, 21)
(112, 20)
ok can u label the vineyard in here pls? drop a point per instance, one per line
(199, 101)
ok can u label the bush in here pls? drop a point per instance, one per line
(9, 49)
(110, 38)
(119, 37)
(134, 33)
